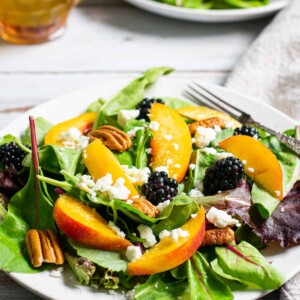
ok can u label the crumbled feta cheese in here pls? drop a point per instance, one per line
(137, 176)
(192, 166)
(221, 218)
(112, 292)
(251, 170)
(222, 155)
(162, 169)
(255, 137)
(217, 128)
(244, 162)
(132, 133)
(174, 234)
(229, 124)
(169, 161)
(119, 190)
(282, 209)
(125, 115)
(199, 185)
(209, 150)
(116, 229)
(129, 201)
(149, 150)
(72, 135)
(147, 234)
(177, 166)
(195, 193)
(161, 206)
(277, 193)
(130, 295)
(204, 136)
(56, 272)
(154, 125)
(104, 183)
(193, 140)
(87, 184)
(133, 253)
(175, 146)
(83, 142)
(193, 216)
(168, 137)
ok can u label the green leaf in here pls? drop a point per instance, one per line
(174, 102)
(203, 283)
(222, 135)
(131, 95)
(245, 263)
(19, 219)
(105, 259)
(10, 139)
(160, 286)
(96, 106)
(42, 126)
(245, 233)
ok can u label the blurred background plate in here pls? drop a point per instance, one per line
(211, 16)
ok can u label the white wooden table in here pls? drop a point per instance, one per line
(107, 40)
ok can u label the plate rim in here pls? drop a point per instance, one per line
(17, 277)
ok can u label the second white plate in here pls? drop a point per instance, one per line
(209, 16)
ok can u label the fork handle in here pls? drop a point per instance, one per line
(289, 141)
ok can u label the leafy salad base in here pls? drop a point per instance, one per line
(66, 286)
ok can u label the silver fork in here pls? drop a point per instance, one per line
(197, 93)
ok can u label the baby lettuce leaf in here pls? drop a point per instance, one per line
(19, 219)
(283, 224)
(203, 283)
(161, 286)
(131, 95)
(140, 145)
(42, 126)
(174, 102)
(105, 259)
(56, 158)
(222, 135)
(245, 233)
(245, 263)
(96, 105)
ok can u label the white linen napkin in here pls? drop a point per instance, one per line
(270, 71)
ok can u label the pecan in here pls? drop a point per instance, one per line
(207, 123)
(112, 137)
(218, 236)
(43, 246)
(145, 207)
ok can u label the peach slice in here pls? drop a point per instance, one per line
(198, 113)
(84, 225)
(99, 161)
(171, 143)
(260, 163)
(168, 254)
(82, 123)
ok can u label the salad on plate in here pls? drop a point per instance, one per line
(153, 198)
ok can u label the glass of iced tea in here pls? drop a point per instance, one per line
(33, 21)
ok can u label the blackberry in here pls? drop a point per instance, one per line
(225, 174)
(145, 106)
(247, 130)
(12, 155)
(160, 188)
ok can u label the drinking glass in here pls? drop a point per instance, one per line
(33, 21)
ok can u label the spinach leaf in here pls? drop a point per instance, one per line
(56, 158)
(19, 219)
(12, 139)
(245, 262)
(42, 126)
(105, 259)
(245, 233)
(222, 135)
(161, 286)
(140, 144)
(131, 95)
(174, 102)
(96, 105)
(3, 212)
(203, 283)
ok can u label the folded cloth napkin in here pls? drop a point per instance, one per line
(270, 72)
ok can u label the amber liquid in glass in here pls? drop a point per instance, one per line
(33, 21)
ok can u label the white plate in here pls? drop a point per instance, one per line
(70, 105)
(210, 16)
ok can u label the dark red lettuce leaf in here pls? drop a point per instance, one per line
(284, 224)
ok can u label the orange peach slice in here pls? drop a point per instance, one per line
(84, 225)
(168, 254)
(99, 161)
(198, 113)
(260, 163)
(171, 144)
(82, 123)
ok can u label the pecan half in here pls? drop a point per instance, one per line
(207, 123)
(43, 246)
(111, 137)
(145, 207)
(218, 236)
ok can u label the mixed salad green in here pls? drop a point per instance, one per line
(217, 4)
(212, 272)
